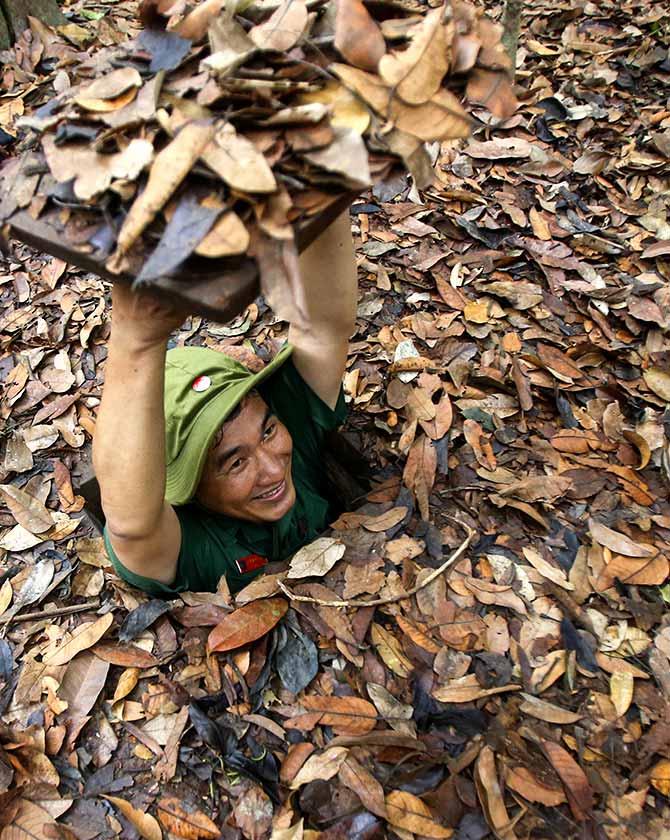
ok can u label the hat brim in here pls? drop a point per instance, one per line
(183, 474)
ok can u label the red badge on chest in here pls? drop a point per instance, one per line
(250, 563)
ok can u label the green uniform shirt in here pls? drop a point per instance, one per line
(211, 544)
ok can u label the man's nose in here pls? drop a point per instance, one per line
(270, 468)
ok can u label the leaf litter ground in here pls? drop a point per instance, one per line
(509, 381)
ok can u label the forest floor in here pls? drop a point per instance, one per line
(523, 692)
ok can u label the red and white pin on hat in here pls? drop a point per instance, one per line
(201, 383)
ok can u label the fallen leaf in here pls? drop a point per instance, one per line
(28, 511)
(658, 380)
(246, 624)
(408, 812)
(531, 788)
(416, 72)
(316, 558)
(353, 775)
(283, 29)
(323, 766)
(110, 86)
(577, 787)
(145, 825)
(490, 796)
(621, 691)
(357, 37)
(619, 543)
(542, 710)
(185, 821)
(82, 638)
(390, 651)
(238, 162)
(346, 715)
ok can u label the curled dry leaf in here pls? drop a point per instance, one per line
(145, 825)
(416, 72)
(408, 812)
(238, 162)
(110, 85)
(357, 37)
(490, 795)
(246, 624)
(168, 170)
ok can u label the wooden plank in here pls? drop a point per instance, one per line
(220, 293)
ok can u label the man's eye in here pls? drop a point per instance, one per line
(269, 431)
(236, 465)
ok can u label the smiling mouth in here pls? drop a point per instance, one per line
(273, 494)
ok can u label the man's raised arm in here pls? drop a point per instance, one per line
(129, 442)
(328, 268)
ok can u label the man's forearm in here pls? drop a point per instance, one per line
(328, 268)
(129, 444)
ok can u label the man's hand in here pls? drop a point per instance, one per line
(141, 319)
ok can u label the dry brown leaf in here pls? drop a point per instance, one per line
(465, 689)
(295, 757)
(346, 715)
(185, 821)
(82, 638)
(619, 543)
(531, 788)
(542, 710)
(388, 647)
(145, 825)
(440, 118)
(238, 162)
(168, 170)
(324, 766)
(353, 775)
(109, 86)
(660, 776)
(246, 624)
(416, 72)
(408, 812)
(621, 691)
(658, 380)
(357, 37)
(28, 511)
(577, 787)
(228, 238)
(316, 558)
(283, 29)
(490, 795)
(420, 470)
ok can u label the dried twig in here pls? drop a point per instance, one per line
(378, 602)
(75, 608)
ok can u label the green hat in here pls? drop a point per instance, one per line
(202, 387)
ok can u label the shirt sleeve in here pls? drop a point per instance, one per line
(304, 414)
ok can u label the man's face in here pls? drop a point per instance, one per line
(247, 474)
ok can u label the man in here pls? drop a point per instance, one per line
(205, 468)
